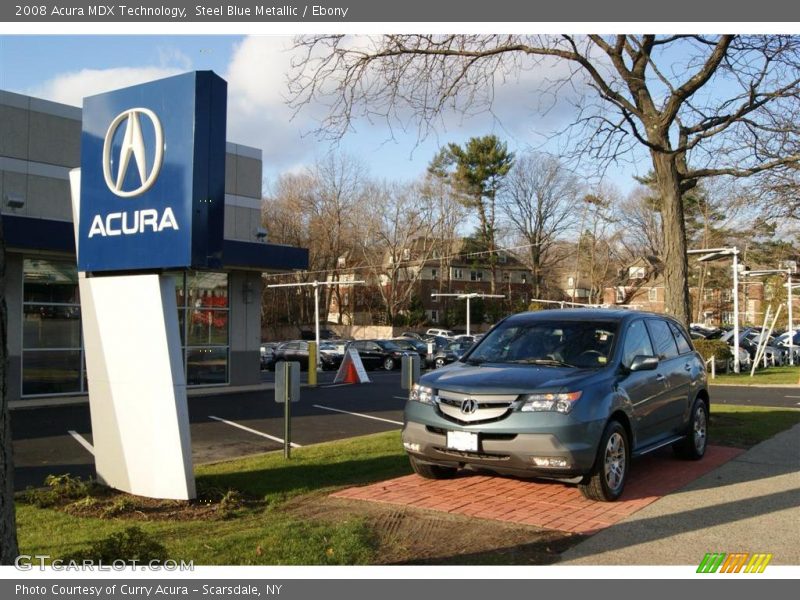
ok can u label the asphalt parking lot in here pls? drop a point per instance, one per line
(57, 439)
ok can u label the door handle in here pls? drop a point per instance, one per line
(687, 366)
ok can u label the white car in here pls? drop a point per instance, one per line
(448, 333)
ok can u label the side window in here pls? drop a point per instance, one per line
(663, 341)
(637, 342)
(359, 346)
(683, 344)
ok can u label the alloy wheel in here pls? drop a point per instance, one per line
(614, 463)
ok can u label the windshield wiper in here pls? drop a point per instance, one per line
(541, 361)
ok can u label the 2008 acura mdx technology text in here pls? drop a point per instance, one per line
(563, 394)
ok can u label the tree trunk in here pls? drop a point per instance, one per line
(676, 267)
(8, 527)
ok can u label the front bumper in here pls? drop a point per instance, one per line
(507, 446)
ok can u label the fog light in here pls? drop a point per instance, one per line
(411, 447)
(549, 461)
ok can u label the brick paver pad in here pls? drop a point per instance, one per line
(537, 502)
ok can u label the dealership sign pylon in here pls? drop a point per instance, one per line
(149, 196)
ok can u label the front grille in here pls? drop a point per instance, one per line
(478, 455)
(503, 437)
(488, 407)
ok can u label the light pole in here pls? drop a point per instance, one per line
(710, 254)
(316, 285)
(788, 270)
(468, 297)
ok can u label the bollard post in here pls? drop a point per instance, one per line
(313, 352)
(409, 370)
(287, 390)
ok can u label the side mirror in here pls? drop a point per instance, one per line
(644, 363)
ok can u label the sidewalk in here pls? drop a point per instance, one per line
(749, 504)
(215, 390)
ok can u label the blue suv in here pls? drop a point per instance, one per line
(562, 394)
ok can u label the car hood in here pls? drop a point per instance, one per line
(508, 379)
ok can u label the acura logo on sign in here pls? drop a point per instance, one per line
(132, 147)
(469, 406)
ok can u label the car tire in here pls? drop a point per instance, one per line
(606, 481)
(431, 471)
(693, 446)
(388, 364)
(438, 363)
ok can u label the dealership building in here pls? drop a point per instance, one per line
(219, 311)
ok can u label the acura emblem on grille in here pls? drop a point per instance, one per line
(469, 406)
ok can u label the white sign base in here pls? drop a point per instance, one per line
(137, 388)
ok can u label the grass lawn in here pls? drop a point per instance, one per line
(745, 426)
(770, 376)
(256, 529)
(265, 510)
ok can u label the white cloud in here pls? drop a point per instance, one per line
(257, 111)
(72, 88)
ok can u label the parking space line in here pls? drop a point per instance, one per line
(791, 396)
(253, 431)
(82, 441)
(355, 414)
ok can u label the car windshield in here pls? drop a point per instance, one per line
(549, 343)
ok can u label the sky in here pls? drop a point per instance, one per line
(67, 68)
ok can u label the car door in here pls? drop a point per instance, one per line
(667, 413)
(683, 380)
(644, 390)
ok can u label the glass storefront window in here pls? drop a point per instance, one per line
(52, 354)
(203, 314)
(52, 344)
(206, 365)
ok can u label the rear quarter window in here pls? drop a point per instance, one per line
(680, 338)
(663, 340)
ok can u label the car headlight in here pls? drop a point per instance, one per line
(420, 393)
(558, 402)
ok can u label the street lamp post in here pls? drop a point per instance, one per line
(710, 254)
(468, 297)
(316, 285)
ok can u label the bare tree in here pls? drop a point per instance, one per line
(539, 205)
(8, 527)
(397, 237)
(640, 228)
(316, 209)
(700, 106)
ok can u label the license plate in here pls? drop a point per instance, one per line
(465, 441)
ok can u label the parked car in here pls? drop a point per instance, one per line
(448, 333)
(413, 335)
(561, 394)
(331, 354)
(376, 354)
(310, 335)
(450, 353)
(267, 354)
(782, 341)
(413, 345)
(297, 350)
